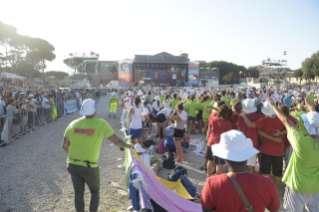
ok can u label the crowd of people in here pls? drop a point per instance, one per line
(25, 106)
(265, 126)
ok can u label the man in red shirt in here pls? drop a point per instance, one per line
(219, 193)
(271, 151)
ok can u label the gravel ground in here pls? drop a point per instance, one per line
(34, 175)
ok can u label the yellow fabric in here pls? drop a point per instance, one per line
(178, 186)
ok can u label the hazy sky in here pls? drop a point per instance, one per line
(239, 31)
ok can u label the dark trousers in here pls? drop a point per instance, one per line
(91, 176)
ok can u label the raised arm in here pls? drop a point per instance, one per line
(119, 142)
(282, 117)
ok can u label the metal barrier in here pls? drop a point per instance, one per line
(28, 120)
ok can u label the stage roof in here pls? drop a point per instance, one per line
(160, 59)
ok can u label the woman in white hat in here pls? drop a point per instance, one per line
(113, 104)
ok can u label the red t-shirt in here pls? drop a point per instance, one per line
(234, 118)
(213, 114)
(220, 194)
(217, 127)
(286, 141)
(251, 133)
(269, 125)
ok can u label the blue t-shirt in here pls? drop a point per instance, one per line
(257, 100)
(288, 101)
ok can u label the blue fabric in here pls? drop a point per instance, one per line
(136, 133)
(288, 101)
(169, 142)
(257, 100)
(134, 194)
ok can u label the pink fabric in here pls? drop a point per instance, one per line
(162, 195)
(161, 147)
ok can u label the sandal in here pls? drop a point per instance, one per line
(177, 161)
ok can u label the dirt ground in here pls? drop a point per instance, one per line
(34, 175)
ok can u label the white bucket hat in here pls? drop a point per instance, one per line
(234, 146)
(267, 110)
(311, 121)
(113, 94)
(157, 98)
(249, 106)
(88, 108)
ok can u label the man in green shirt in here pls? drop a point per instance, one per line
(311, 96)
(82, 142)
(302, 174)
(232, 99)
(224, 98)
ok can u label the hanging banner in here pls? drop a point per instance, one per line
(70, 106)
(193, 73)
(125, 73)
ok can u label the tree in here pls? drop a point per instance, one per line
(310, 67)
(112, 67)
(73, 63)
(60, 75)
(253, 72)
(231, 78)
(298, 74)
(225, 69)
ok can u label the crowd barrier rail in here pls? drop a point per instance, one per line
(29, 119)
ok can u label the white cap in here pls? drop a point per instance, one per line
(267, 110)
(234, 146)
(249, 106)
(138, 148)
(311, 121)
(88, 108)
(113, 94)
(139, 93)
(157, 98)
(31, 95)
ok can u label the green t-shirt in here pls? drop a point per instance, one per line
(312, 97)
(296, 114)
(86, 136)
(173, 103)
(225, 99)
(162, 98)
(213, 104)
(232, 102)
(191, 106)
(113, 99)
(205, 113)
(302, 173)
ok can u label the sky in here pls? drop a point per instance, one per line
(242, 32)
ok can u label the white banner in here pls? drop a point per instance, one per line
(70, 106)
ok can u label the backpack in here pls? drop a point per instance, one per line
(188, 185)
(161, 148)
(148, 143)
(168, 161)
(177, 173)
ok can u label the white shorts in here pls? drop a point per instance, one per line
(295, 201)
(252, 161)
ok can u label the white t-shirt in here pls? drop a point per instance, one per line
(156, 107)
(264, 97)
(2, 104)
(181, 124)
(166, 103)
(44, 105)
(166, 111)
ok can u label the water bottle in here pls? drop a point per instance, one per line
(151, 149)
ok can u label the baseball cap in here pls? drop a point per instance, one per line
(88, 108)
